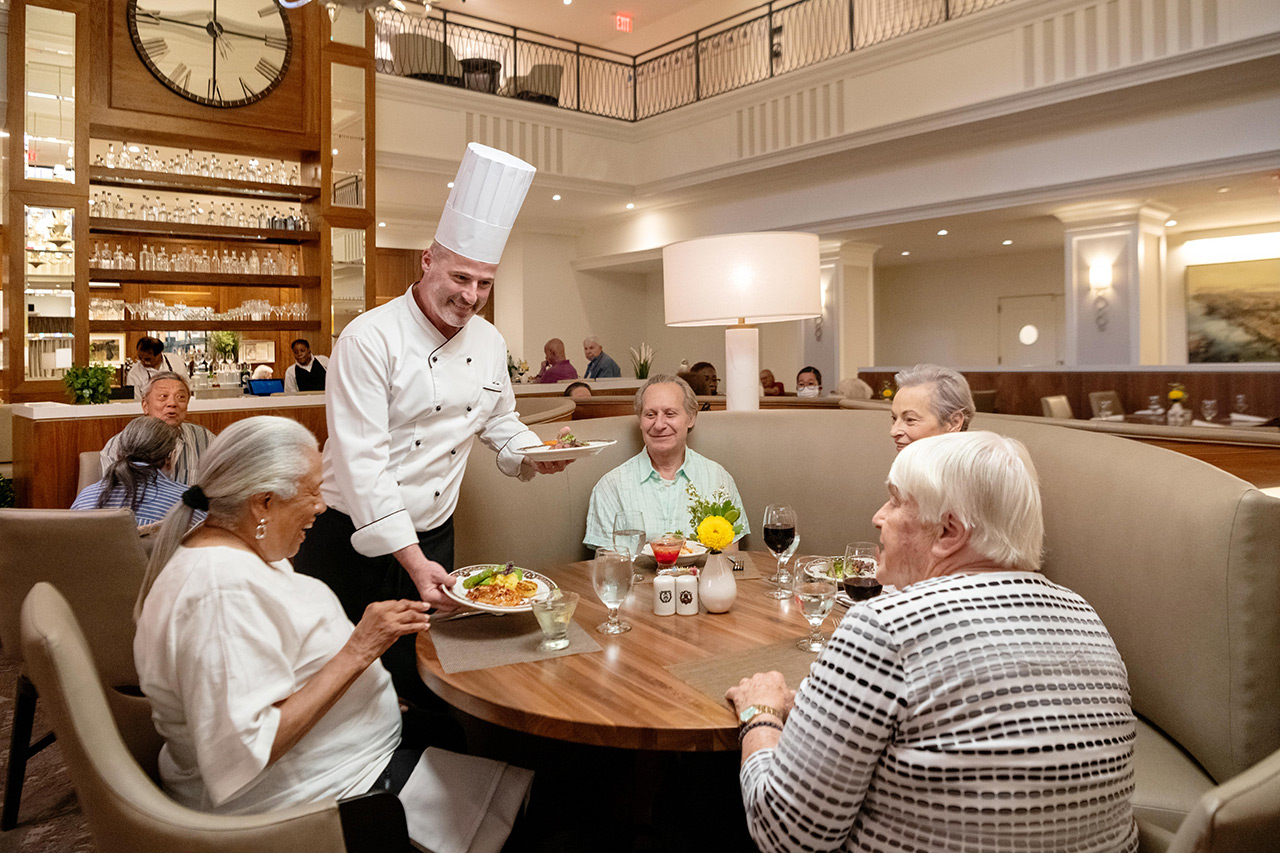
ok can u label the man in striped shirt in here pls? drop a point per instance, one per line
(979, 707)
(166, 397)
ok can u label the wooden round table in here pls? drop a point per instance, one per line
(623, 696)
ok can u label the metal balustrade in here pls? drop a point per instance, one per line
(456, 49)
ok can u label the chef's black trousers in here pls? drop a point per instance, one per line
(358, 581)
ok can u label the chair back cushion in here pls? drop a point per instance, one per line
(1096, 399)
(127, 813)
(1057, 406)
(90, 469)
(95, 558)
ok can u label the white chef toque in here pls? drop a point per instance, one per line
(482, 207)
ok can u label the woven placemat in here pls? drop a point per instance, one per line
(712, 677)
(479, 642)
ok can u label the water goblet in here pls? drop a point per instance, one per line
(666, 550)
(611, 577)
(815, 592)
(1104, 409)
(860, 565)
(628, 535)
(1242, 404)
(1153, 405)
(781, 538)
(1209, 408)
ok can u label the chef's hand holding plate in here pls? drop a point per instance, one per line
(551, 467)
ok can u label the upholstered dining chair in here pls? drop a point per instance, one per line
(97, 557)
(984, 400)
(1242, 815)
(1057, 406)
(1096, 399)
(127, 812)
(541, 85)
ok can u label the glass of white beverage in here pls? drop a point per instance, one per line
(554, 612)
(611, 577)
(815, 592)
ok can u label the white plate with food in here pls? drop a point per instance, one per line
(568, 447)
(692, 554)
(495, 589)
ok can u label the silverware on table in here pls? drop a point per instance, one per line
(441, 618)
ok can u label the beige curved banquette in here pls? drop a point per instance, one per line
(1180, 559)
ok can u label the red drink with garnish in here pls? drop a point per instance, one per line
(666, 550)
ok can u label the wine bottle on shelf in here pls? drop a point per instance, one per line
(293, 265)
(255, 266)
(111, 155)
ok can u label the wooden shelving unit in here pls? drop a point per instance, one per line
(97, 276)
(204, 325)
(144, 180)
(182, 230)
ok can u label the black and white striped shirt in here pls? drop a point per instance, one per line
(981, 712)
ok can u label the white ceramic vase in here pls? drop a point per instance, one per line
(717, 587)
(1179, 416)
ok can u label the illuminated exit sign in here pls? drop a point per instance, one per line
(623, 23)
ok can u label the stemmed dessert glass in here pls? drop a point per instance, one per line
(628, 535)
(815, 592)
(611, 577)
(781, 538)
(666, 550)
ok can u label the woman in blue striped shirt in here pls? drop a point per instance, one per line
(136, 479)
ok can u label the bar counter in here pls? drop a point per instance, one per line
(48, 438)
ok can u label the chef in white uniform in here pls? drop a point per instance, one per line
(410, 385)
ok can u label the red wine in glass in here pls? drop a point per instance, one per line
(779, 537)
(861, 587)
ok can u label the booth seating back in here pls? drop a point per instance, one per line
(1180, 559)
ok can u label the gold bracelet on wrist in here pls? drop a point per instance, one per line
(770, 724)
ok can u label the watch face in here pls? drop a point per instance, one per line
(222, 53)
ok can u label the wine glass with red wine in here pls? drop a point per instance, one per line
(781, 538)
(860, 581)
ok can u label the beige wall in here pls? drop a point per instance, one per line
(946, 313)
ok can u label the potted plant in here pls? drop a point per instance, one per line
(226, 345)
(642, 360)
(90, 384)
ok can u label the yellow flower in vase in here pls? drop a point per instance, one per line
(1177, 393)
(715, 532)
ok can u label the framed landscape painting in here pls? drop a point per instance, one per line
(1233, 312)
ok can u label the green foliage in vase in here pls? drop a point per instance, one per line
(226, 345)
(90, 384)
(7, 495)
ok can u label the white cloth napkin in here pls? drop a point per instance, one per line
(1108, 418)
(1200, 423)
(1247, 419)
(461, 803)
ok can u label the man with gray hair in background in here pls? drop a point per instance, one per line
(166, 397)
(599, 364)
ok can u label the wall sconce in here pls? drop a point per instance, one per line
(1099, 282)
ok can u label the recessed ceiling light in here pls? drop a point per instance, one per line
(942, 232)
(556, 197)
(1169, 223)
(631, 205)
(382, 225)
(904, 254)
(1224, 189)
(568, 2)
(451, 185)
(1007, 243)
(335, 152)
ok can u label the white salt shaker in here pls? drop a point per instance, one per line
(664, 595)
(687, 595)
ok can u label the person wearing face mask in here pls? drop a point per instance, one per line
(152, 359)
(166, 397)
(655, 481)
(410, 386)
(931, 400)
(809, 382)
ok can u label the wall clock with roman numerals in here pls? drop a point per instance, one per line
(221, 53)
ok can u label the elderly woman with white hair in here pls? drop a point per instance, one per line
(979, 707)
(265, 694)
(931, 400)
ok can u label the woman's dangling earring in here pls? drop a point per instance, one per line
(261, 531)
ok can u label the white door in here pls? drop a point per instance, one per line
(1030, 330)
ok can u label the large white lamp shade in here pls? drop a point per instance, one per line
(738, 280)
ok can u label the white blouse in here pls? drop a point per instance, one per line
(223, 637)
(403, 404)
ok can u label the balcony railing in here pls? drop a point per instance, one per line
(462, 50)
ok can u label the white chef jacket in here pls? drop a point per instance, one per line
(403, 404)
(222, 638)
(140, 374)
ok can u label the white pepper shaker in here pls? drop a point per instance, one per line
(664, 595)
(687, 595)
